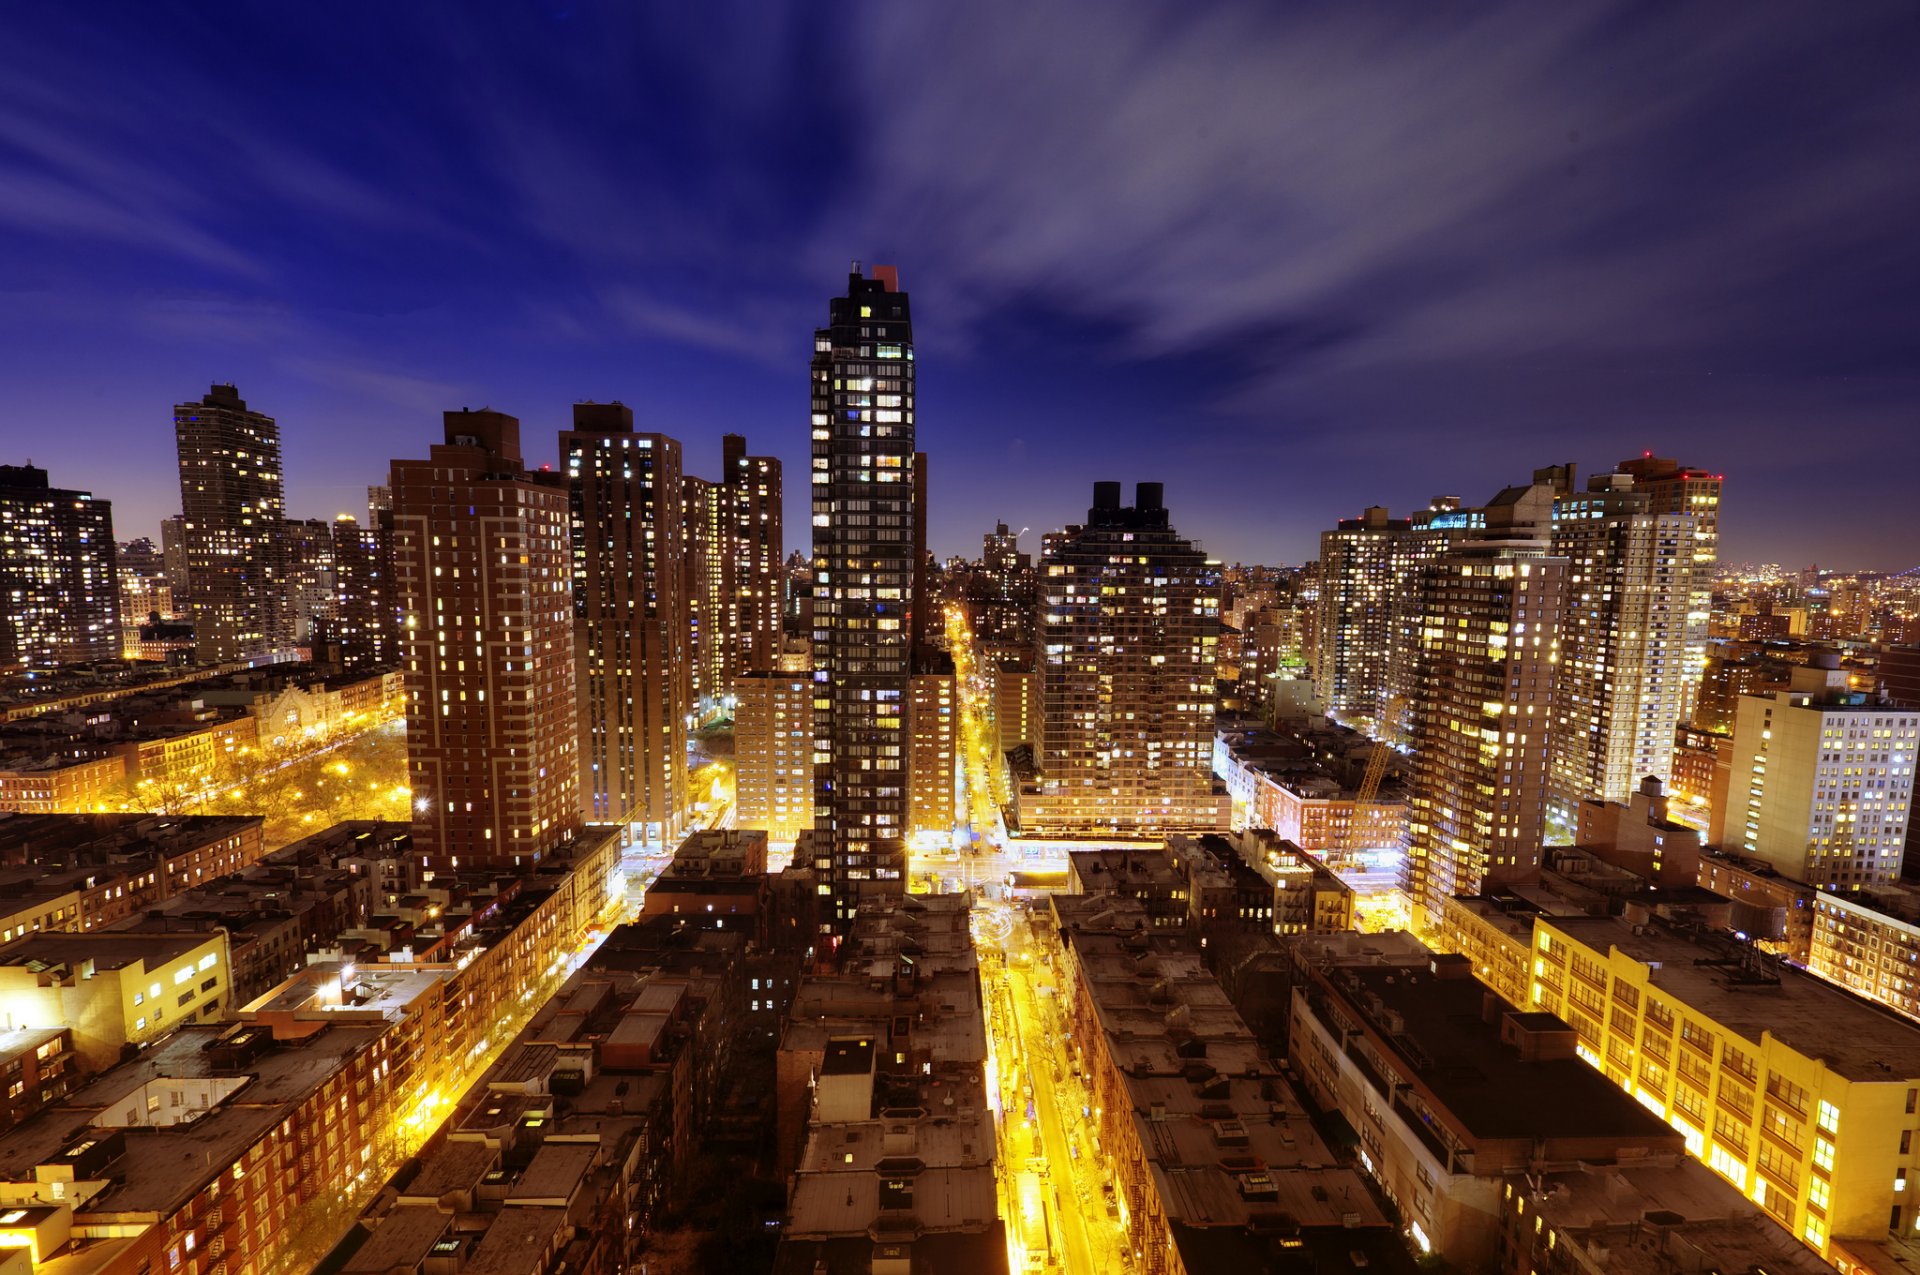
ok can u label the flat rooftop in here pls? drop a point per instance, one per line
(555, 1174)
(1857, 1039)
(163, 1168)
(455, 1166)
(108, 950)
(516, 1241)
(848, 1057)
(1708, 1225)
(1435, 1027)
(400, 1242)
(848, 1202)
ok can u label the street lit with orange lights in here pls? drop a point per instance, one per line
(1056, 1190)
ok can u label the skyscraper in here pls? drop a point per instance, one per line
(59, 589)
(1623, 652)
(773, 752)
(364, 630)
(483, 555)
(312, 581)
(233, 506)
(706, 534)
(1129, 628)
(1673, 488)
(863, 570)
(1368, 610)
(1489, 641)
(756, 589)
(630, 619)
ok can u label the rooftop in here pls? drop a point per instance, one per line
(1665, 1214)
(1437, 1029)
(848, 1057)
(400, 1242)
(1754, 997)
(107, 950)
(516, 1241)
(162, 1168)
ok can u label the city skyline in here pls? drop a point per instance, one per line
(1355, 303)
(1392, 826)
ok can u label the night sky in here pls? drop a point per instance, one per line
(1289, 258)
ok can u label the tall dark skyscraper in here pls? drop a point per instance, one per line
(863, 572)
(1130, 632)
(59, 592)
(756, 585)
(233, 506)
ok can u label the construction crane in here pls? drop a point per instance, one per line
(1369, 790)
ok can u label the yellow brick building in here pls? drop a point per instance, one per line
(1803, 1096)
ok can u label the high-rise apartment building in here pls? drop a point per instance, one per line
(1482, 720)
(312, 581)
(1129, 627)
(933, 750)
(757, 590)
(145, 587)
(365, 629)
(1623, 656)
(233, 510)
(1821, 781)
(173, 558)
(630, 620)
(773, 752)
(1673, 488)
(1003, 611)
(706, 537)
(483, 555)
(1367, 644)
(59, 588)
(862, 485)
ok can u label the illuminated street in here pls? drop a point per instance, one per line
(983, 771)
(1053, 1181)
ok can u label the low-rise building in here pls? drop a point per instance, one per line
(38, 1065)
(717, 880)
(113, 990)
(1308, 897)
(82, 872)
(1217, 1163)
(1802, 1095)
(1661, 1215)
(1639, 837)
(883, 1115)
(221, 1144)
(1301, 779)
(1773, 910)
(560, 1156)
(1454, 1093)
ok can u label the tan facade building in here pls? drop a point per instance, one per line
(1673, 488)
(113, 989)
(1820, 784)
(933, 719)
(773, 753)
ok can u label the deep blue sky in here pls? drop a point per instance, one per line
(1290, 259)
